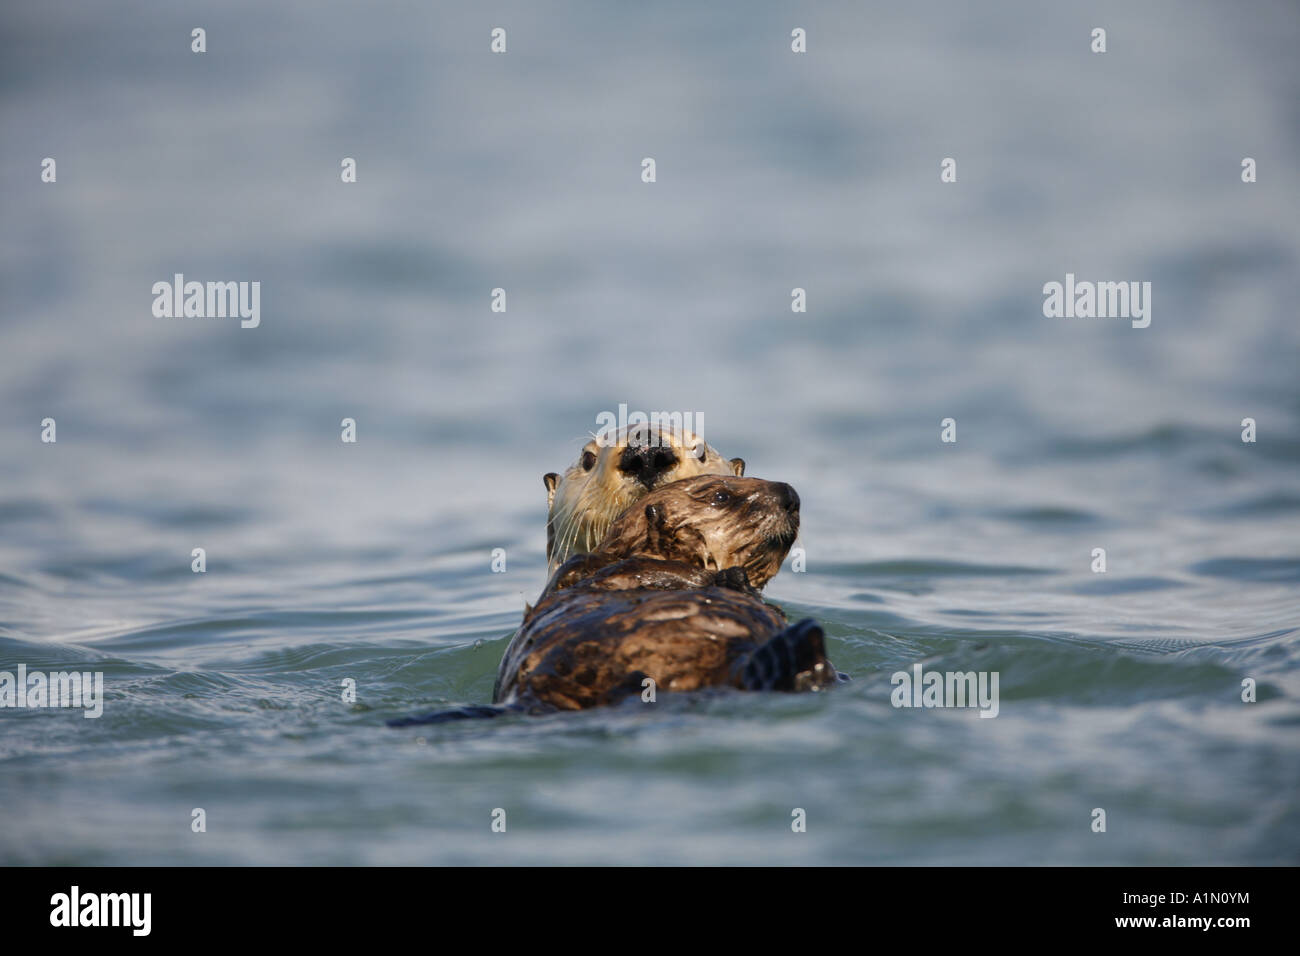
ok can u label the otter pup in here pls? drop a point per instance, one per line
(670, 594)
(615, 469)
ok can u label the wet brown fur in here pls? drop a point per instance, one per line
(669, 594)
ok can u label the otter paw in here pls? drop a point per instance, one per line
(737, 579)
(793, 660)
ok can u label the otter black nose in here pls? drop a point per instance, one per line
(787, 497)
(647, 463)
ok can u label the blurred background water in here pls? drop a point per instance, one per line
(329, 561)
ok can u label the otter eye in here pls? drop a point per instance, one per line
(588, 460)
(721, 497)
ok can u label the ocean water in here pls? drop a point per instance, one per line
(371, 562)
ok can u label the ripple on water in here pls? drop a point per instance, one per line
(1250, 569)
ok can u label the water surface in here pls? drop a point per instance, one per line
(371, 562)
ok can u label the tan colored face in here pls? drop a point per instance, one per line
(612, 472)
(712, 522)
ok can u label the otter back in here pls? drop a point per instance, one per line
(593, 644)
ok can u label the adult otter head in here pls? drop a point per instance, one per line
(614, 470)
(713, 522)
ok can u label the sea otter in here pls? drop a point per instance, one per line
(615, 469)
(669, 594)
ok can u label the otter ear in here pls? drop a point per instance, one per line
(738, 466)
(550, 479)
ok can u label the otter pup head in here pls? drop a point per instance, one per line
(614, 470)
(712, 522)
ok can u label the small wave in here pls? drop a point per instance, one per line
(1250, 569)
